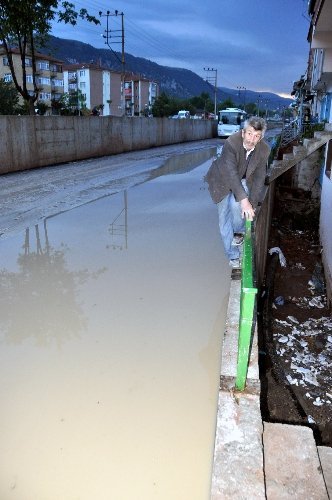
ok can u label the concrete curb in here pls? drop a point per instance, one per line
(238, 455)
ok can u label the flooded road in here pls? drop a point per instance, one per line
(111, 316)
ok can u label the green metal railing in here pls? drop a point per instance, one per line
(247, 306)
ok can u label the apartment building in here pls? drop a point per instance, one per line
(319, 73)
(100, 87)
(140, 95)
(49, 76)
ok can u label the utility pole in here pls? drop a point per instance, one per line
(114, 34)
(244, 93)
(213, 81)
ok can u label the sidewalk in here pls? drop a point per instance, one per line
(254, 459)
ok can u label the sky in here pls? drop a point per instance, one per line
(258, 45)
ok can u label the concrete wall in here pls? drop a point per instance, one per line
(36, 141)
(306, 174)
(262, 232)
(325, 231)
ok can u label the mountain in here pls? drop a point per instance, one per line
(178, 82)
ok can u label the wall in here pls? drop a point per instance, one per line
(36, 141)
(262, 232)
(306, 174)
(325, 231)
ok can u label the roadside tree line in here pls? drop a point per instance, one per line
(203, 105)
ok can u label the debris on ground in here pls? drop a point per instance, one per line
(296, 340)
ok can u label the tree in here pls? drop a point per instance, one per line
(227, 103)
(203, 102)
(9, 98)
(71, 103)
(25, 25)
(164, 106)
(251, 108)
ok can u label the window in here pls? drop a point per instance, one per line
(82, 72)
(82, 85)
(7, 77)
(43, 65)
(57, 83)
(5, 61)
(28, 62)
(44, 81)
(29, 79)
(44, 96)
(55, 68)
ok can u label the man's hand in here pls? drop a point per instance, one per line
(246, 209)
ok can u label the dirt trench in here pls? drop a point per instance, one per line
(294, 320)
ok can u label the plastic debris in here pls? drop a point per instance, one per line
(311, 420)
(316, 302)
(310, 378)
(282, 259)
(279, 301)
(285, 323)
(317, 278)
(292, 381)
(293, 320)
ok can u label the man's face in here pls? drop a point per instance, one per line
(251, 137)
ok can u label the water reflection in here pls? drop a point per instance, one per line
(118, 229)
(179, 164)
(39, 298)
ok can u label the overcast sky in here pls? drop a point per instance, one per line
(257, 44)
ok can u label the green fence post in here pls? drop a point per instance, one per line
(247, 305)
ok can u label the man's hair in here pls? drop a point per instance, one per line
(257, 123)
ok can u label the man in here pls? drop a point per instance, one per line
(236, 181)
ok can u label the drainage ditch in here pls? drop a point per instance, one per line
(294, 320)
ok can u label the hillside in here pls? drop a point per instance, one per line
(178, 82)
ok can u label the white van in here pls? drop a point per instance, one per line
(183, 114)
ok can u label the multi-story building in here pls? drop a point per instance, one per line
(103, 87)
(99, 87)
(140, 95)
(317, 89)
(319, 72)
(49, 76)
(93, 86)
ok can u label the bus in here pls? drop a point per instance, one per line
(230, 120)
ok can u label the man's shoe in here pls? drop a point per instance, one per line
(237, 240)
(235, 263)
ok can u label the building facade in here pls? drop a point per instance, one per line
(49, 76)
(140, 95)
(318, 83)
(89, 86)
(319, 74)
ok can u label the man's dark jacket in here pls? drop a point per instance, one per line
(226, 172)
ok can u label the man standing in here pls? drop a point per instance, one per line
(236, 181)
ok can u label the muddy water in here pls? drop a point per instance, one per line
(110, 317)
